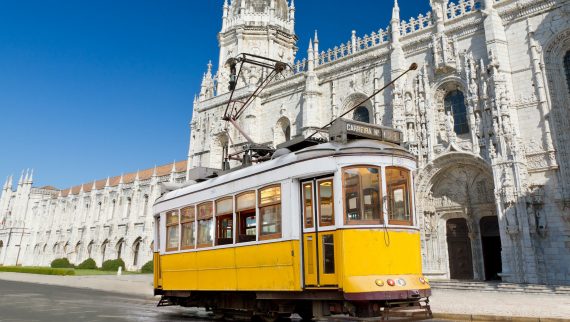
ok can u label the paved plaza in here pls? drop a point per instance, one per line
(449, 304)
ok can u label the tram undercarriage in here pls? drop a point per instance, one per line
(320, 305)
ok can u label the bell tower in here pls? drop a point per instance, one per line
(260, 27)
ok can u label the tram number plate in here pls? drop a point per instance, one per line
(392, 136)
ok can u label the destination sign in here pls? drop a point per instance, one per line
(344, 129)
(374, 133)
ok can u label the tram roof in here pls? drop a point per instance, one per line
(329, 149)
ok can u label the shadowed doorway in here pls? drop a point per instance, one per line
(459, 249)
(491, 242)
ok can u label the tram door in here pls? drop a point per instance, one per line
(319, 233)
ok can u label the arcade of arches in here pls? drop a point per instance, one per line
(461, 230)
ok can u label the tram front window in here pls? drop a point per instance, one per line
(361, 187)
(270, 212)
(398, 183)
(326, 213)
(205, 222)
(245, 209)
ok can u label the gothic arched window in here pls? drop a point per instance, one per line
(361, 114)
(136, 249)
(567, 68)
(120, 245)
(455, 104)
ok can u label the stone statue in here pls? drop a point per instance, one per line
(409, 106)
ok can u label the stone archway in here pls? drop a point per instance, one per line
(359, 111)
(453, 193)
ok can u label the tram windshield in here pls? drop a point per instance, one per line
(363, 195)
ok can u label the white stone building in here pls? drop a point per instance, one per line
(103, 220)
(487, 114)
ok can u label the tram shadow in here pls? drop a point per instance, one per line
(205, 316)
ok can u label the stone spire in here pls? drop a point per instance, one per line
(312, 93)
(225, 15)
(6, 184)
(207, 88)
(439, 10)
(311, 56)
(292, 14)
(21, 180)
(173, 172)
(94, 186)
(108, 182)
(397, 57)
(316, 49)
(31, 177)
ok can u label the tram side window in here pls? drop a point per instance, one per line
(205, 224)
(245, 210)
(399, 197)
(172, 230)
(270, 212)
(362, 202)
(187, 225)
(308, 212)
(224, 221)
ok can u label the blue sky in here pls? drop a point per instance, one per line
(90, 89)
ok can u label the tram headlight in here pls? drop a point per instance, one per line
(379, 282)
(422, 280)
(391, 282)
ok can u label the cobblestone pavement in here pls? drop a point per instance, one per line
(443, 301)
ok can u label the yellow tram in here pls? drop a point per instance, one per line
(323, 230)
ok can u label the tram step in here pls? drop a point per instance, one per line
(500, 287)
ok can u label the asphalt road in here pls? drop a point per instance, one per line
(28, 302)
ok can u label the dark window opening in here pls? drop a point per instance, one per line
(361, 114)
(225, 229)
(455, 104)
(247, 228)
(328, 254)
(567, 68)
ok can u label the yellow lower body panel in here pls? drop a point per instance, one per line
(265, 267)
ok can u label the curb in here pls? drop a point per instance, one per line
(483, 317)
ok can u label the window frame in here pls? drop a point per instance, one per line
(199, 218)
(318, 203)
(381, 219)
(312, 214)
(251, 211)
(408, 196)
(186, 222)
(168, 225)
(221, 216)
(259, 215)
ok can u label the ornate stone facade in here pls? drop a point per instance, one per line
(105, 219)
(486, 114)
